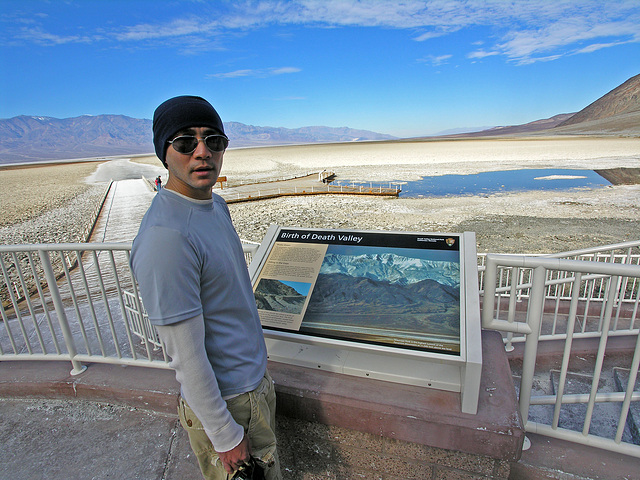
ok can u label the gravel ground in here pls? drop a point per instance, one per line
(63, 213)
(26, 193)
(533, 222)
(49, 203)
(527, 222)
(66, 223)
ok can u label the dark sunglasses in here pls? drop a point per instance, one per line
(187, 144)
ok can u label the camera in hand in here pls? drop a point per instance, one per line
(249, 471)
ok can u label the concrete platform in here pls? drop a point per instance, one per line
(120, 422)
(418, 415)
(110, 422)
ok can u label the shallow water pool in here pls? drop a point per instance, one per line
(486, 183)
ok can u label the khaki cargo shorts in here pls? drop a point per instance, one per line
(255, 411)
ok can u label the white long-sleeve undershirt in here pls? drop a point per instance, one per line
(184, 341)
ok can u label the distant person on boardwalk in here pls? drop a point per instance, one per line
(200, 297)
(158, 183)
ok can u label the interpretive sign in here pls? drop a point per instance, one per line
(395, 306)
(378, 288)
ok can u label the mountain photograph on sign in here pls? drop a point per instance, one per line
(281, 296)
(390, 296)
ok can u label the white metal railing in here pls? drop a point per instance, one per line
(243, 182)
(514, 288)
(77, 302)
(271, 191)
(532, 281)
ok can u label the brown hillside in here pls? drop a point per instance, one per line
(621, 100)
(626, 124)
(531, 127)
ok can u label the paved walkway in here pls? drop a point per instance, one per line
(116, 422)
(110, 422)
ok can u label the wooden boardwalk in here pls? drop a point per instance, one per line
(307, 185)
(123, 209)
(100, 326)
(118, 222)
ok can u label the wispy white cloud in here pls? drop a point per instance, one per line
(39, 36)
(524, 32)
(569, 29)
(548, 58)
(260, 73)
(284, 70)
(480, 54)
(177, 28)
(428, 36)
(234, 74)
(435, 60)
(598, 46)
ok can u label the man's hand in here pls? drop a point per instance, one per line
(236, 457)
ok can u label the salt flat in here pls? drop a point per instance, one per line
(526, 222)
(407, 160)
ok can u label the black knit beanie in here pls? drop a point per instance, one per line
(179, 113)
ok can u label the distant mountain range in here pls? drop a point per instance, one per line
(425, 308)
(619, 102)
(392, 268)
(34, 139)
(242, 135)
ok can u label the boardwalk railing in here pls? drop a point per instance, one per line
(76, 302)
(265, 190)
(80, 303)
(567, 298)
(514, 289)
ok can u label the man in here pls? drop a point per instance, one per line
(200, 300)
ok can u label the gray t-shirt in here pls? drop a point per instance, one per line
(188, 261)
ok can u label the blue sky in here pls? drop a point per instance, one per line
(405, 68)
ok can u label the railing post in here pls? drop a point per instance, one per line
(534, 319)
(78, 368)
(511, 316)
(489, 287)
